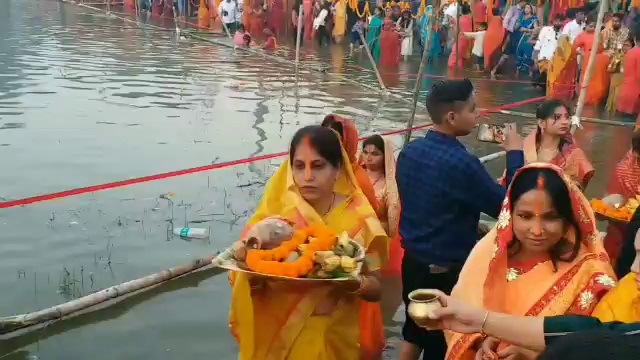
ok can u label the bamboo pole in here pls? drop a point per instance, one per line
(423, 63)
(108, 7)
(13, 323)
(372, 60)
(298, 36)
(575, 123)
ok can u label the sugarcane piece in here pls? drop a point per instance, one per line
(344, 247)
(319, 256)
(331, 263)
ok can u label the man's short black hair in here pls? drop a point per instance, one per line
(447, 95)
(559, 17)
(620, 16)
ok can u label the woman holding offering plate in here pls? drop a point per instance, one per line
(544, 257)
(289, 319)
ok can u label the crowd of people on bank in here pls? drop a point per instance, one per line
(543, 271)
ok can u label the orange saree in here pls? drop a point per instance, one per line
(493, 42)
(626, 182)
(600, 77)
(489, 280)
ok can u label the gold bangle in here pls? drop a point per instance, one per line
(484, 322)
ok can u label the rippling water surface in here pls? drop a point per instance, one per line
(86, 99)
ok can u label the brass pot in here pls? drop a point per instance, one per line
(422, 304)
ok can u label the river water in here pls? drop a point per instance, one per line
(86, 99)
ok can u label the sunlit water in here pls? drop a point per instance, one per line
(86, 99)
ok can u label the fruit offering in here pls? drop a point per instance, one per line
(620, 213)
(313, 252)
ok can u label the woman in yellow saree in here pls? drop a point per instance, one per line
(544, 257)
(561, 70)
(276, 320)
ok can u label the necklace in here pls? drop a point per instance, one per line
(330, 205)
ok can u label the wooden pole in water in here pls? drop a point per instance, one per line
(372, 60)
(298, 35)
(13, 323)
(421, 69)
(108, 7)
(592, 60)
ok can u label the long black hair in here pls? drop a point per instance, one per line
(564, 250)
(323, 140)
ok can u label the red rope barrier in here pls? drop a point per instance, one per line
(122, 183)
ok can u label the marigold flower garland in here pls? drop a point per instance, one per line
(270, 262)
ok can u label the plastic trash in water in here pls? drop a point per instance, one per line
(192, 233)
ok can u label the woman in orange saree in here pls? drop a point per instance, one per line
(600, 77)
(493, 41)
(256, 18)
(561, 71)
(544, 257)
(553, 143)
(624, 185)
(279, 320)
(379, 161)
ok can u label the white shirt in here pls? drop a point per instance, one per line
(321, 19)
(547, 43)
(478, 44)
(240, 10)
(230, 8)
(573, 29)
(450, 12)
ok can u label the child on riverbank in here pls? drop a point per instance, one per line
(478, 45)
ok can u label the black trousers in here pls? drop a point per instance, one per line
(323, 33)
(418, 275)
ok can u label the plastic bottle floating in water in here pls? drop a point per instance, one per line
(193, 233)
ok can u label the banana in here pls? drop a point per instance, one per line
(331, 263)
(348, 264)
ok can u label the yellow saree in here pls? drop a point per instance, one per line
(622, 303)
(278, 322)
(487, 279)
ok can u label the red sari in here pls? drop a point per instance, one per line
(275, 16)
(629, 98)
(626, 182)
(493, 42)
(307, 9)
(479, 12)
(390, 43)
(466, 25)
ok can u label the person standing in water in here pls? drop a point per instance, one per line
(228, 14)
(440, 211)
